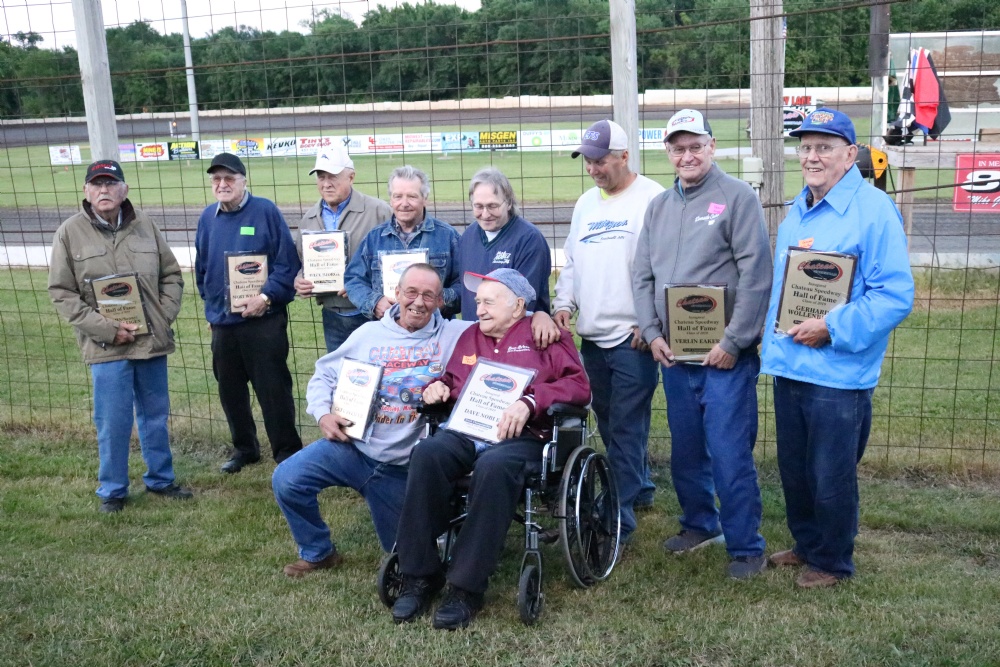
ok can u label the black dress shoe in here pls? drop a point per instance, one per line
(458, 609)
(171, 491)
(111, 505)
(236, 463)
(415, 597)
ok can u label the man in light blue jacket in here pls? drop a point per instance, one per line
(825, 368)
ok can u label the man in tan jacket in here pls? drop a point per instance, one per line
(100, 257)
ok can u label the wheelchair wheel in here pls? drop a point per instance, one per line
(590, 523)
(529, 595)
(390, 580)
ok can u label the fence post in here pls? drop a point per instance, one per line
(767, 85)
(624, 79)
(98, 99)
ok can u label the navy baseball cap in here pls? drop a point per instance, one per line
(827, 121)
(228, 161)
(600, 139)
(104, 168)
(510, 278)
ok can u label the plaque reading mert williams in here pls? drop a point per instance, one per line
(324, 260)
(393, 265)
(246, 274)
(815, 283)
(696, 319)
(490, 389)
(118, 298)
(357, 389)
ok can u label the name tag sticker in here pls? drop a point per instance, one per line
(246, 231)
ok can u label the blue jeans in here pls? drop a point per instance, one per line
(298, 480)
(119, 388)
(337, 327)
(623, 382)
(713, 429)
(822, 434)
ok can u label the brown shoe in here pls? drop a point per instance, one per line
(816, 579)
(300, 568)
(785, 559)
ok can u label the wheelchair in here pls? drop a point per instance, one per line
(572, 487)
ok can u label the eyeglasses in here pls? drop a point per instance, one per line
(427, 297)
(109, 183)
(694, 149)
(228, 179)
(492, 208)
(822, 150)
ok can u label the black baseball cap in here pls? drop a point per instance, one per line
(105, 168)
(228, 161)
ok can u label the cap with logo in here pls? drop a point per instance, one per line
(332, 160)
(510, 278)
(827, 121)
(687, 120)
(228, 161)
(600, 139)
(105, 168)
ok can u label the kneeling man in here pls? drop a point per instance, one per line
(503, 335)
(411, 342)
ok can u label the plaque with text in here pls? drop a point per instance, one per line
(355, 397)
(696, 319)
(393, 265)
(324, 260)
(246, 274)
(815, 283)
(118, 298)
(490, 389)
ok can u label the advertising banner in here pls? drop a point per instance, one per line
(385, 143)
(651, 136)
(419, 142)
(282, 147)
(498, 140)
(65, 155)
(563, 140)
(211, 148)
(249, 147)
(313, 145)
(535, 140)
(183, 150)
(354, 145)
(126, 152)
(977, 177)
(152, 152)
(456, 142)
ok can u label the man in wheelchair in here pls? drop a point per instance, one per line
(503, 335)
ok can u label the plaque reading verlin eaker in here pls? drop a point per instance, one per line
(393, 265)
(118, 298)
(490, 389)
(354, 399)
(815, 283)
(324, 259)
(696, 319)
(246, 273)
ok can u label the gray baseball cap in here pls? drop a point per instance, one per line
(510, 278)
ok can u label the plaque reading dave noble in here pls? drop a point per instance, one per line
(815, 283)
(324, 260)
(357, 389)
(246, 274)
(490, 389)
(118, 298)
(696, 320)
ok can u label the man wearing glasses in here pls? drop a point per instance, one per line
(825, 368)
(708, 229)
(128, 366)
(249, 341)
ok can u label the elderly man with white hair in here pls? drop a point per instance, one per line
(503, 335)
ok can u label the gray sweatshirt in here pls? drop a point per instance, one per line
(713, 232)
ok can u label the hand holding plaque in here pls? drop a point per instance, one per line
(815, 283)
(490, 389)
(118, 298)
(355, 396)
(324, 260)
(246, 274)
(696, 319)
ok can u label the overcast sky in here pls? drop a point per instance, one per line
(53, 19)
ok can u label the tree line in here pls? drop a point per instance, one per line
(435, 52)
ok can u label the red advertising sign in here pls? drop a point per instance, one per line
(977, 182)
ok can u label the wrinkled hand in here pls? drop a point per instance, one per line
(303, 287)
(662, 352)
(125, 333)
(637, 342)
(436, 392)
(513, 420)
(719, 358)
(544, 330)
(330, 426)
(561, 318)
(383, 305)
(256, 307)
(811, 333)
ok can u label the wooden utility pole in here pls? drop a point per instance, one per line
(767, 85)
(624, 79)
(878, 69)
(98, 100)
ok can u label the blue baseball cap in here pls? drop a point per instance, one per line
(510, 278)
(827, 121)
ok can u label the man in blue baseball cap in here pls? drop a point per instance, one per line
(825, 368)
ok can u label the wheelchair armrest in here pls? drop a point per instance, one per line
(437, 413)
(561, 412)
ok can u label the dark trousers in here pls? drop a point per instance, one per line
(256, 351)
(497, 483)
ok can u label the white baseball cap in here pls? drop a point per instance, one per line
(332, 160)
(687, 120)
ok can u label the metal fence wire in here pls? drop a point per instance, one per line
(450, 89)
